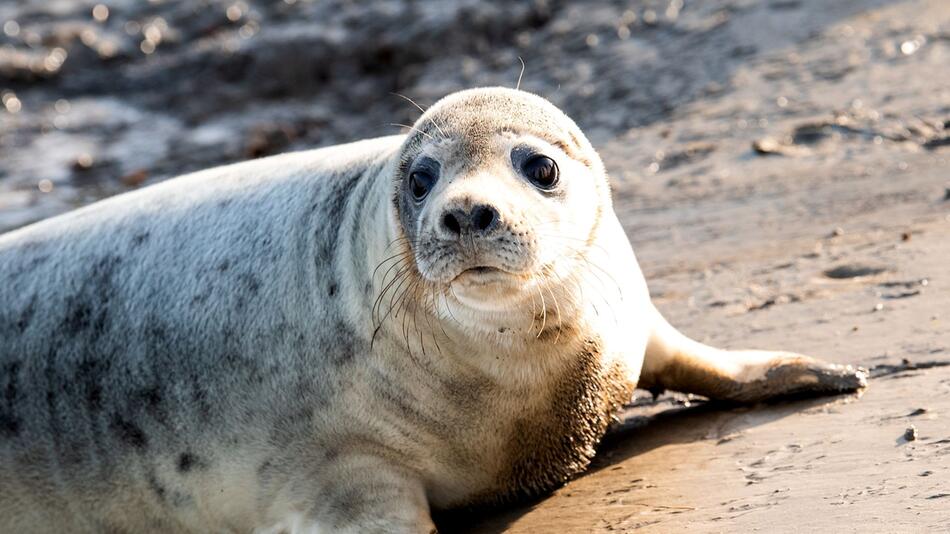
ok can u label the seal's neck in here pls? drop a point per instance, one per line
(364, 241)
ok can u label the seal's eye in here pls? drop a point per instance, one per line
(420, 183)
(542, 171)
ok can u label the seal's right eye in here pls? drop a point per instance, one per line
(420, 183)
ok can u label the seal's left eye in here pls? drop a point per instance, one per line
(420, 183)
(542, 171)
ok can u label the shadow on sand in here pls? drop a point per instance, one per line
(638, 434)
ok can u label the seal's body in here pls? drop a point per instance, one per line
(339, 339)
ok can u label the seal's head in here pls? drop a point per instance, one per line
(498, 194)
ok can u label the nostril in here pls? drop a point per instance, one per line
(484, 217)
(450, 222)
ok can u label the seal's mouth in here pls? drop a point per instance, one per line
(485, 274)
(487, 288)
(487, 263)
(482, 269)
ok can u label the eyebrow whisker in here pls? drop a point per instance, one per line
(423, 110)
(412, 128)
(520, 74)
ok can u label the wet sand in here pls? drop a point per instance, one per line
(781, 168)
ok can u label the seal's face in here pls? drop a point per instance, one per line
(499, 195)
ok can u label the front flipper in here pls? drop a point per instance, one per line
(354, 494)
(675, 362)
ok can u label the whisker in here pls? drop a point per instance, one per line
(420, 108)
(402, 270)
(401, 277)
(429, 295)
(412, 128)
(544, 313)
(411, 101)
(397, 256)
(583, 256)
(400, 291)
(520, 74)
(560, 324)
(448, 308)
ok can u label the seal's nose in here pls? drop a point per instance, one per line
(481, 220)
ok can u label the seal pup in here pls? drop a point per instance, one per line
(342, 339)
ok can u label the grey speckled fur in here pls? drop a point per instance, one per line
(203, 355)
(134, 331)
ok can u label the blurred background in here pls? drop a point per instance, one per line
(781, 167)
(103, 97)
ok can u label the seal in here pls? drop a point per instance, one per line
(342, 339)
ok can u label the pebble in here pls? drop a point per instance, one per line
(911, 433)
(766, 145)
(134, 178)
(83, 162)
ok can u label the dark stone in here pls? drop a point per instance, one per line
(853, 271)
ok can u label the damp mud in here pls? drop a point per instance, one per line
(781, 167)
